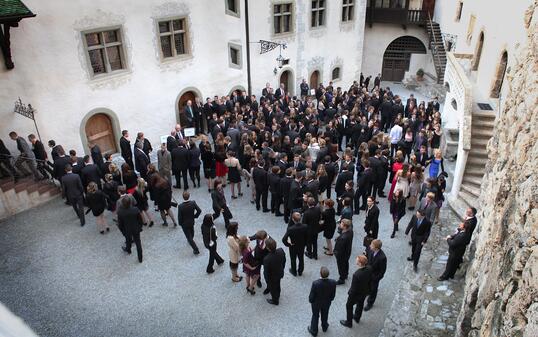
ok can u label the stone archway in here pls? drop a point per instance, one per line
(100, 126)
(397, 57)
(286, 77)
(314, 79)
(184, 96)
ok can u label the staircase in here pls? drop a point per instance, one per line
(481, 131)
(438, 49)
(25, 194)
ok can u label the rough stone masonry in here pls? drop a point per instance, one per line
(501, 289)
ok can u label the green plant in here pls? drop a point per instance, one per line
(420, 72)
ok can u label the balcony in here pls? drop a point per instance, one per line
(398, 12)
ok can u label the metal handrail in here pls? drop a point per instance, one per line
(434, 49)
(14, 157)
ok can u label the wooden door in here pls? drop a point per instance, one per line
(284, 78)
(393, 69)
(188, 96)
(99, 131)
(314, 80)
(428, 6)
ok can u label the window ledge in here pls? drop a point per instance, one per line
(174, 59)
(110, 76)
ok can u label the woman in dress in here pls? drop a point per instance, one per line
(323, 179)
(208, 158)
(129, 178)
(115, 172)
(436, 164)
(163, 197)
(209, 234)
(313, 149)
(244, 161)
(436, 138)
(234, 252)
(329, 224)
(110, 188)
(234, 173)
(408, 140)
(440, 196)
(397, 209)
(194, 166)
(415, 186)
(97, 202)
(220, 156)
(141, 197)
(252, 272)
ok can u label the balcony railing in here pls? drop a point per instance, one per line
(396, 15)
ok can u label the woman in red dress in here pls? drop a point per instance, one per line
(220, 156)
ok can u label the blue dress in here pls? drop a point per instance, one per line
(435, 167)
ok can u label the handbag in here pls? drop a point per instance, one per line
(173, 203)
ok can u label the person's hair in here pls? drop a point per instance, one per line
(232, 229)
(363, 260)
(329, 203)
(421, 212)
(68, 168)
(324, 272)
(261, 235)
(289, 171)
(186, 195)
(243, 243)
(377, 244)
(86, 159)
(473, 210)
(108, 156)
(140, 185)
(13, 134)
(346, 223)
(31, 136)
(125, 168)
(72, 153)
(125, 202)
(296, 216)
(108, 177)
(311, 202)
(346, 201)
(208, 220)
(275, 169)
(92, 187)
(371, 197)
(158, 181)
(52, 143)
(124, 132)
(216, 183)
(270, 243)
(430, 195)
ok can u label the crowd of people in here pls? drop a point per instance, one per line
(290, 152)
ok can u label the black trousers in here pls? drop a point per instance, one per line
(213, 256)
(129, 161)
(129, 239)
(393, 149)
(316, 311)
(287, 211)
(225, 213)
(297, 253)
(189, 235)
(342, 262)
(360, 194)
(380, 185)
(374, 284)
(194, 172)
(78, 206)
(416, 249)
(275, 203)
(261, 194)
(312, 244)
(452, 265)
(274, 289)
(359, 302)
(178, 174)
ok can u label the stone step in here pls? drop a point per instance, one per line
(477, 162)
(478, 151)
(471, 180)
(478, 132)
(473, 190)
(478, 141)
(468, 198)
(474, 171)
(480, 122)
(484, 114)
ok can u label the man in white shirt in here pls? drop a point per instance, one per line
(395, 137)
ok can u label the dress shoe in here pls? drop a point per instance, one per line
(102, 232)
(324, 328)
(140, 260)
(409, 258)
(340, 281)
(125, 250)
(415, 268)
(442, 278)
(151, 224)
(300, 273)
(382, 196)
(292, 272)
(279, 214)
(165, 224)
(392, 235)
(367, 307)
(196, 252)
(270, 301)
(210, 271)
(357, 320)
(311, 331)
(266, 291)
(346, 323)
(363, 208)
(220, 263)
(108, 229)
(266, 211)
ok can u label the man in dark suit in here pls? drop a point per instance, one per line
(282, 163)
(343, 177)
(285, 185)
(141, 160)
(273, 269)
(364, 185)
(311, 218)
(422, 156)
(386, 112)
(420, 228)
(189, 114)
(312, 186)
(457, 243)
(470, 217)
(378, 263)
(180, 164)
(360, 288)
(295, 240)
(219, 203)
(331, 168)
(126, 151)
(321, 296)
(297, 164)
(259, 176)
(273, 179)
(342, 250)
(371, 223)
(90, 173)
(295, 201)
(378, 174)
(74, 192)
(130, 224)
(186, 213)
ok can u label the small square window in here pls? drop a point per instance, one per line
(318, 13)
(282, 18)
(232, 7)
(348, 9)
(234, 56)
(105, 51)
(173, 37)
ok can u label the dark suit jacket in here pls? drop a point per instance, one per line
(343, 244)
(218, 199)
(209, 234)
(311, 218)
(89, 173)
(457, 244)
(472, 222)
(72, 186)
(297, 234)
(422, 233)
(378, 263)
(273, 265)
(285, 185)
(371, 223)
(59, 166)
(187, 212)
(141, 162)
(259, 176)
(341, 181)
(180, 159)
(322, 292)
(274, 183)
(125, 146)
(312, 187)
(129, 220)
(360, 284)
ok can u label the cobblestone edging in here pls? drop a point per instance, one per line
(423, 306)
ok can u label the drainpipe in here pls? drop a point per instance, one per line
(249, 84)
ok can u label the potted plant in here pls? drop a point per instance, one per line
(420, 74)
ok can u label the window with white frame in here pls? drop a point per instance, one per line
(318, 13)
(234, 55)
(232, 7)
(282, 18)
(173, 37)
(105, 51)
(348, 9)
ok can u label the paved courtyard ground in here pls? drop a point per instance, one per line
(67, 280)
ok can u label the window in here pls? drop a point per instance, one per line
(499, 76)
(470, 28)
(318, 13)
(458, 11)
(282, 18)
(232, 7)
(454, 104)
(390, 4)
(105, 51)
(348, 8)
(336, 74)
(173, 37)
(234, 56)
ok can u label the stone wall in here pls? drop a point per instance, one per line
(501, 290)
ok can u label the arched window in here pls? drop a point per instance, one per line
(478, 51)
(336, 74)
(499, 76)
(447, 87)
(454, 104)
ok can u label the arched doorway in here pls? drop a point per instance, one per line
(397, 57)
(287, 78)
(99, 130)
(182, 102)
(478, 51)
(499, 76)
(314, 79)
